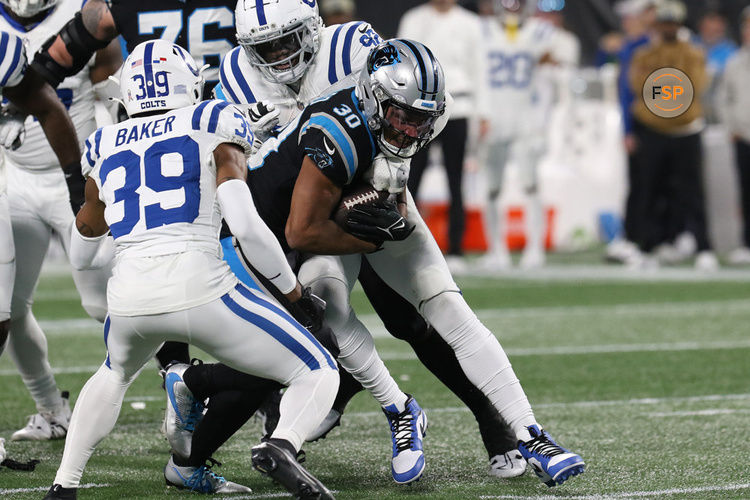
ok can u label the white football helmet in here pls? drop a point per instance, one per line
(28, 8)
(402, 94)
(158, 76)
(280, 37)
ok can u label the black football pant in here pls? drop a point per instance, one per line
(742, 150)
(453, 143)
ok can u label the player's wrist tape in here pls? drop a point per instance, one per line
(258, 243)
(79, 43)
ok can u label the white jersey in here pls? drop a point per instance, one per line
(12, 68)
(513, 60)
(343, 52)
(75, 92)
(157, 178)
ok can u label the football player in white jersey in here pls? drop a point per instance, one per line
(161, 182)
(516, 44)
(30, 94)
(39, 208)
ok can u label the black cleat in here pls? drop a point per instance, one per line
(278, 464)
(58, 492)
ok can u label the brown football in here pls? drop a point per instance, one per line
(361, 193)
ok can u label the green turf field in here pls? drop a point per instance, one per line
(646, 376)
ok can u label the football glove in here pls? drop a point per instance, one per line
(76, 186)
(309, 310)
(378, 222)
(263, 117)
(12, 129)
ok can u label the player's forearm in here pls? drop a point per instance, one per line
(257, 241)
(325, 238)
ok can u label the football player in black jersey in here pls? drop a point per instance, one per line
(297, 180)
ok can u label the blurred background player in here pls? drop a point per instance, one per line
(734, 102)
(516, 45)
(453, 33)
(40, 208)
(169, 281)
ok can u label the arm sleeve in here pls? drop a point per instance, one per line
(12, 60)
(257, 241)
(83, 250)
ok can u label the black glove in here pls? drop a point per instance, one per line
(309, 310)
(76, 186)
(378, 222)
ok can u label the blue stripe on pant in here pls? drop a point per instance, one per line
(232, 257)
(275, 330)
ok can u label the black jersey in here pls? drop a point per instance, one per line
(333, 133)
(205, 28)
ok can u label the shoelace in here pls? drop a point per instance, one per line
(204, 479)
(195, 414)
(544, 446)
(401, 429)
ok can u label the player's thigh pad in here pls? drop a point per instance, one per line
(415, 267)
(249, 332)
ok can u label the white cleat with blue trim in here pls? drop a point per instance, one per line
(408, 428)
(199, 479)
(183, 411)
(552, 463)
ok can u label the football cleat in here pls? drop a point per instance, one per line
(58, 492)
(200, 479)
(278, 464)
(552, 463)
(45, 426)
(408, 428)
(507, 465)
(183, 411)
(333, 419)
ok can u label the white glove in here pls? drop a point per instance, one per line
(388, 174)
(12, 129)
(263, 117)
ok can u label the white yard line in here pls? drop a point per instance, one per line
(8, 491)
(700, 413)
(628, 494)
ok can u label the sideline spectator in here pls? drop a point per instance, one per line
(337, 11)
(454, 35)
(712, 36)
(733, 102)
(669, 149)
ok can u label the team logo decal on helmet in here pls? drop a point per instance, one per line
(28, 8)
(402, 94)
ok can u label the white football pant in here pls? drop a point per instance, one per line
(243, 329)
(527, 151)
(415, 268)
(39, 207)
(7, 262)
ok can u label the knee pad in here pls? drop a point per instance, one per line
(336, 295)
(454, 320)
(433, 280)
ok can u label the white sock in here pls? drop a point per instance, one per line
(360, 358)
(482, 358)
(27, 347)
(94, 416)
(494, 226)
(305, 404)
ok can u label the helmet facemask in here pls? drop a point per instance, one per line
(285, 57)
(404, 130)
